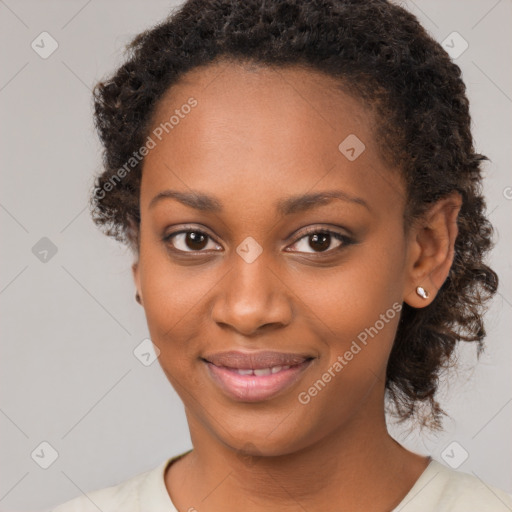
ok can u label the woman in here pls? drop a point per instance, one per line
(299, 187)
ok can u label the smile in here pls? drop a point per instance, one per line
(255, 377)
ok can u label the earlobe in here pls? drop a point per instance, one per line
(431, 251)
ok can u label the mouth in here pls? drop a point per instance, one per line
(255, 377)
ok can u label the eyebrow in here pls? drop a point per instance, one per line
(286, 206)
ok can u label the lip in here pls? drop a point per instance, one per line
(223, 369)
(255, 360)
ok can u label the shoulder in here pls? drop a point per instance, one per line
(125, 496)
(445, 490)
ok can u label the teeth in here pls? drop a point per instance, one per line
(262, 371)
(245, 372)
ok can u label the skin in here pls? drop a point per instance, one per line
(256, 136)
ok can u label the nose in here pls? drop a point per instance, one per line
(252, 298)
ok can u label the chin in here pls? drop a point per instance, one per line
(262, 439)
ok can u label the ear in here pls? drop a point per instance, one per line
(431, 244)
(136, 279)
(133, 232)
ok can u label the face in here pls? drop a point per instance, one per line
(272, 255)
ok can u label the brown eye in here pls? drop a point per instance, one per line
(189, 241)
(321, 241)
(195, 240)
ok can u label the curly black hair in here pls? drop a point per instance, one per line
(379, 53)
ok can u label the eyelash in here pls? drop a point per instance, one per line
(346, 241)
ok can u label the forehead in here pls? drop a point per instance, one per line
(263, 129)
(258, 99)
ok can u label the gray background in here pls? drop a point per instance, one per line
(68, 373)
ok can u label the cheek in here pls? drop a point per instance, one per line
(355, 309)
(173, 297)
(346, 301)
(171, 292)
(358, 331)
(352, 367)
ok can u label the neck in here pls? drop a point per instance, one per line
(359, 465)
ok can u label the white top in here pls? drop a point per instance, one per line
(438, 489)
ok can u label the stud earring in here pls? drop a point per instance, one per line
(137, 298)
(422, 292)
